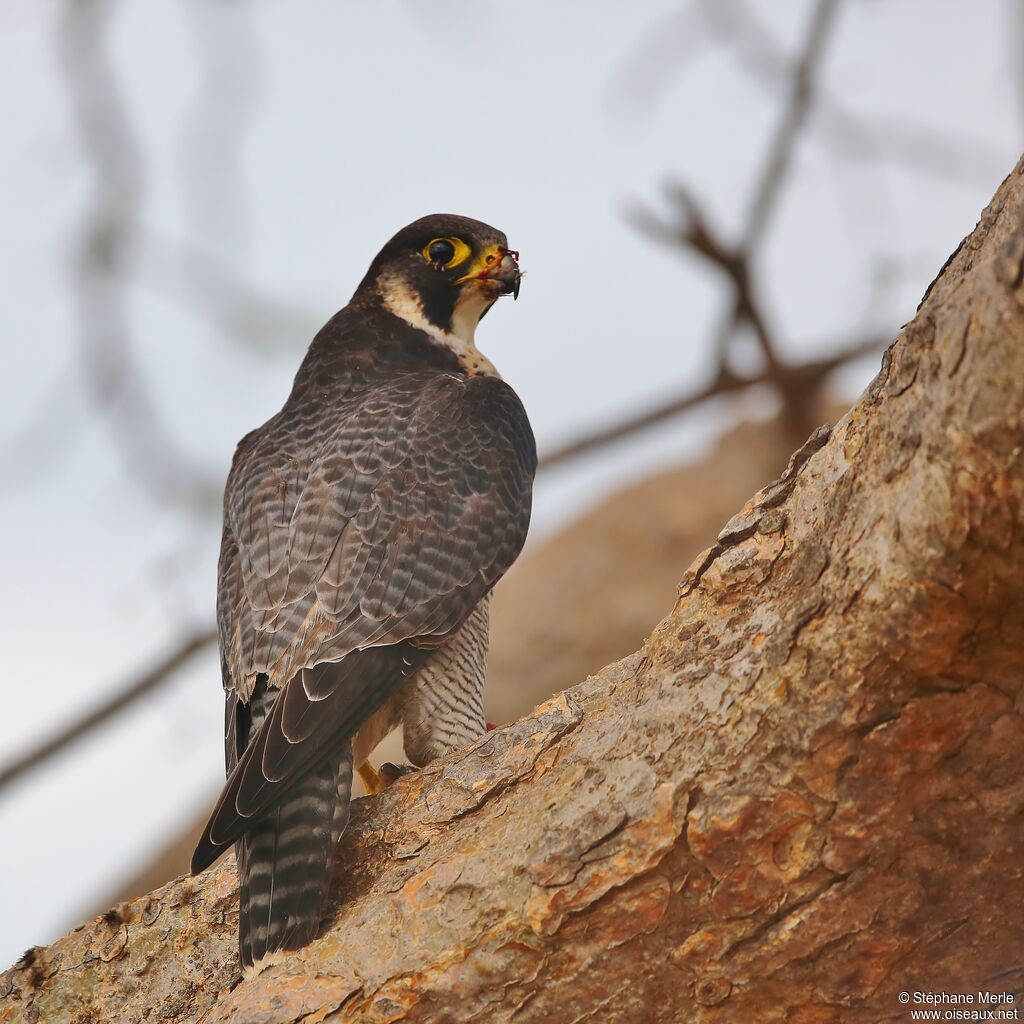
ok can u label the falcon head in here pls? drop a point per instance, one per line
(442, 273)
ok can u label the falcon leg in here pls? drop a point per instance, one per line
(371, 779)
(371, 732)
(376, 780)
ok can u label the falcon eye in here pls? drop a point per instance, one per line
(446, 252)
(440, 251)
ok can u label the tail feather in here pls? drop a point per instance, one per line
(285, 861)
(285, 845)
(283, 734)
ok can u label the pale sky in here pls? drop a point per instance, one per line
(286, 143)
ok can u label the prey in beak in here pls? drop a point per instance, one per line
(495, 271)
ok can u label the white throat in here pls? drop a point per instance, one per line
(401, 300)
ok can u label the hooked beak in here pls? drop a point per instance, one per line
(497, 270)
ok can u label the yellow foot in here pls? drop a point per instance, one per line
(372, 779)
(376, 780)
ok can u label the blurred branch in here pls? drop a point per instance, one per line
(730, 22)
(211, 177)
(124, 697)
(114, 249)
(798, 386)
(40, 444)
(202, 272)
(943, 153)
(695, 234)
(117, 387)
(767, 190)
(807, 376)
(205, 284)
(692, 232)
(783, 143)
(667, 50)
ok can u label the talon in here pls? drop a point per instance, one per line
(390, 773)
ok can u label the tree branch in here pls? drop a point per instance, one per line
(807, 376)
(783, 144)
(800, 798)
(735, 261)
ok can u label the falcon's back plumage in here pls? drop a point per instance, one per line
(364, 525)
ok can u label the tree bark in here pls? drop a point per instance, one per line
(803, 796)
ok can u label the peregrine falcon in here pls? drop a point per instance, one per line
(364, 528)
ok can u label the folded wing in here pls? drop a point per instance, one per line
(356, 540)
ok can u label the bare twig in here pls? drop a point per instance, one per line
(783, 144)
(808, 376)
(888, 137)
(766, 195)
(696, 234)
(735, 261)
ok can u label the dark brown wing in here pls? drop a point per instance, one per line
(386, 530)
(385, 525)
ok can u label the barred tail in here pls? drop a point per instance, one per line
(285, 862)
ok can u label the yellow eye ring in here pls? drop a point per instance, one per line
(446, 252)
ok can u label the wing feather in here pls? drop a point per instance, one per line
(419, 488)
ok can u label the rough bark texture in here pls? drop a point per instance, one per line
(804, 795)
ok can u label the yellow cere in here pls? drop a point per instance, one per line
(462, 251)
(489, 258)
